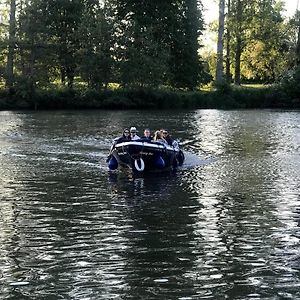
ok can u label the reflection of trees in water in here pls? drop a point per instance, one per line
(135, 188)
(52, 233)
(161, 242)
(236, 226)
(12, 215)
(247, 229)
(229, 228)
(243, 219)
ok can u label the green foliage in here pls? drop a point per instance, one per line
(223, 87)
(94, 55)
(145, 63)
(234, 98)
(290, 84)
(157, 43)
(260, 43)
(186, 67)
(134, 43)
(143, 46)
(265, 56)
(142, 50)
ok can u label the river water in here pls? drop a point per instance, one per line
(224, 226)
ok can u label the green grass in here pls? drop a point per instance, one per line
(255, 85)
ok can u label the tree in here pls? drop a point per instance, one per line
(265, 56)
(239, 30)
(94, 55)
(143, 41)
(145, 63)
(219, 68)
(298, 40)
(187, 70)
(63, 20)
(11, 45)
(256, 42)
(163, 36)
(228, 42)
(37, 61)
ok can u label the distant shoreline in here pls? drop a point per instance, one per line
(227, 98)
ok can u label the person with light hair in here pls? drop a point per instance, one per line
(159, 138)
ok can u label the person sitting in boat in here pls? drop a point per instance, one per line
(159, 138)
(133, 135)
(147, 135)
(167, 137)
(125, 137)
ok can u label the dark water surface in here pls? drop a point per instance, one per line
(225, 226)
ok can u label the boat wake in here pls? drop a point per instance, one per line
(193, 160)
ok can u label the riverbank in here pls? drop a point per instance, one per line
(224, 98)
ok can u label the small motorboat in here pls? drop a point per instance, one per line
(143, 156)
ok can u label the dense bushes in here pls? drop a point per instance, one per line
(280, 96)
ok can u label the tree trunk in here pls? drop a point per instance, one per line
(219, 68)
(70, 76)
(62, 75)
(11, 45)
(298, 43)
(238, 50)
(228, 40)
(31, 69)
(228, 62)
(237, 73)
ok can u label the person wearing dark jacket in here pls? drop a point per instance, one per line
(147, 135)
(167, 137)
(125, 137)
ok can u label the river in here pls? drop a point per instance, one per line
(224, 226)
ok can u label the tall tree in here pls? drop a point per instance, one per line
(228, 42)
(94, 56)
(239, 14)
(298, 38)
(162, 36)
(63, 21)
(187, 70)
(11, 45)
(142, 43)
(220, 45)
(37, 60)
(256, 30)
(265, 53)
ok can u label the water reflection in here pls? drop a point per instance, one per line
(226, 227)
(239, 217)
(161, 237)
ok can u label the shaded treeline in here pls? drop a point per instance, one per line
(132, 43)
(58, 50)
(144, 98)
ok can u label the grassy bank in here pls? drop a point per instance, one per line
(226, 97)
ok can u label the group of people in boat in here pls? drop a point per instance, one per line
(172, 157)
(160, 136)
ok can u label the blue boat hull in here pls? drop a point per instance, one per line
(147, 156)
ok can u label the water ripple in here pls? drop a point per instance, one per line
(225, 226)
